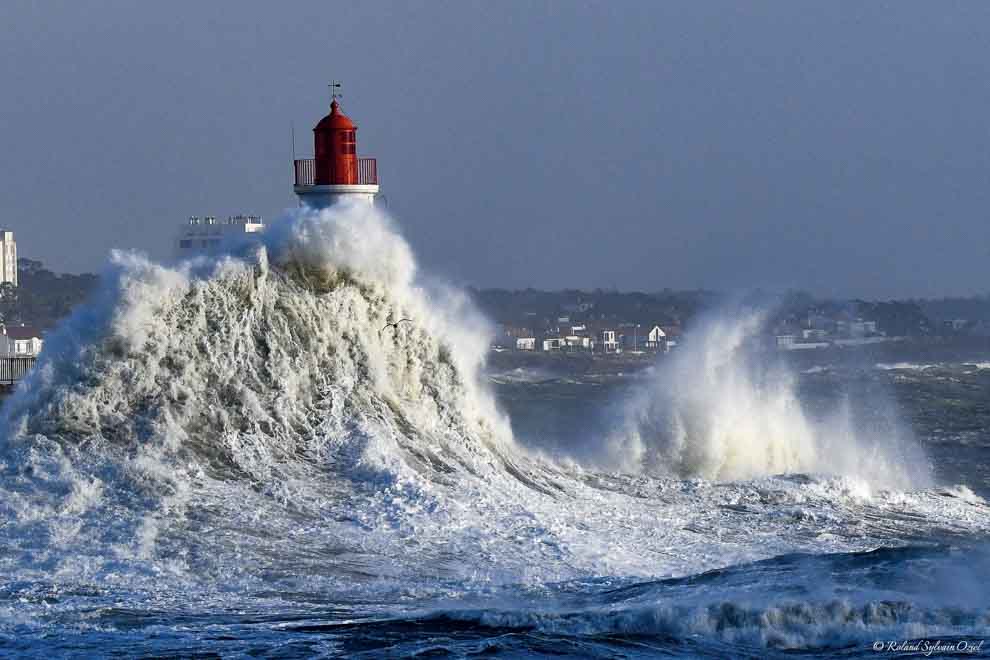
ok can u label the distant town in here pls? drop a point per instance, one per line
(18, 337)
(33, 299)
(612, 322)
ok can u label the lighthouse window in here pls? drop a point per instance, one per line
(347, 148)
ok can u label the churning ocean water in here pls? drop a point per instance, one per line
(238, 457)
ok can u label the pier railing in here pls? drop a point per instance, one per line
(13, 369)
(306, 171)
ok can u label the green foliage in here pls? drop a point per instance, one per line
(535, 308)
(897, 318)
(42, 297)
(975, 308)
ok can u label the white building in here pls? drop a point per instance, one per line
(860, 328)
(785, 341)
(20, 341)
(656, 339)
(814, 334)
(526, 343)
(578, 342)
(205, 235)
(609, 342)
(8, 258)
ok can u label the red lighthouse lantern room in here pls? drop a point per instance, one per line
(335, 149)
(335, 173)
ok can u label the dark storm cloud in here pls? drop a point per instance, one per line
(841, 147)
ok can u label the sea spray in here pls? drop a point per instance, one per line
(719, 408)
(251, 454)
(276, 369)
(245, 346)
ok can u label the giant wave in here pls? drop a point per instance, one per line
(252, 429)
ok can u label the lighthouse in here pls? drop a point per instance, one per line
(335, 174)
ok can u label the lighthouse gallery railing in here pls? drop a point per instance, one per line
(306, 171)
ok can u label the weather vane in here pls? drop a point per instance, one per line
(334, 86)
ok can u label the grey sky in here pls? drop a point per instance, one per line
(841, 147)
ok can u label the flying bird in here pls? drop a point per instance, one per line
(395, 325)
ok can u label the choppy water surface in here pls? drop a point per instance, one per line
(238, 457)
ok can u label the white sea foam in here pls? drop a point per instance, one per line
(714, 412)
(904, 366)
(251, 424)
(274, 378)
(277, 369)
(787, 624)
(524, 375)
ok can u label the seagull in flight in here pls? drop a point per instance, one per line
(395, 325)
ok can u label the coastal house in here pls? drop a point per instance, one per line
(568, 341)
(955, 325)
(814, 334)
(518, 331)
(564, 337)
(853, 327)
(20, 341)
(525, 343)
(609, 342)
(600, 336)
(578, 342)
(785, 341)
(861, 328)
(656, 339)
(507, 335)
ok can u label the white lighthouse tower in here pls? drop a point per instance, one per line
(335, 173)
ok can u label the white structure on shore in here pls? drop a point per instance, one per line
(19, 341)
(526, 344)
(205, 235)
(656, 339)
(8, 257)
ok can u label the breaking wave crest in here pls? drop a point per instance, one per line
(255, 364)
(300, 427)
(713, 412)
(803, 602)
(311, 369)
(316, 367)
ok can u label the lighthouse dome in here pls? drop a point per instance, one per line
(335, 121)
(335, 172)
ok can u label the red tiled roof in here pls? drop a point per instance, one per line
(23, 332)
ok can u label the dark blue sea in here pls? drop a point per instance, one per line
(239, 457)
